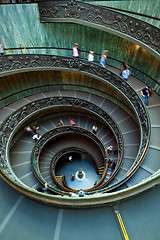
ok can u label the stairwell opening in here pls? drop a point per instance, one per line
(70, 164)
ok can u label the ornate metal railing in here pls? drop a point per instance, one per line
(139, 74)
(145, 34)
(9, 126)
(95, 200)
(83, 55)
(48, 136)
(16, 63)
(19, 63)
(68, 150)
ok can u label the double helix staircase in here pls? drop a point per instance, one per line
(40, 221)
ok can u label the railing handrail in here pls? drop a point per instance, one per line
(99, 72)
(69, 149)
(82, 51)
(83, 202)
(49, 136)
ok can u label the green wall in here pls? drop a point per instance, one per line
(21, 25)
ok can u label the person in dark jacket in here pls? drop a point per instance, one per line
(146, 93)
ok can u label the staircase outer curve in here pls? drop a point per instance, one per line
(132, 134)
(18, 63)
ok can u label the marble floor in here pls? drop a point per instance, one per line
(67, 168)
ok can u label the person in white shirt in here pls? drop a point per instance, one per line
(90, 56)
(94, 129)
(36, 137)
(110, 149)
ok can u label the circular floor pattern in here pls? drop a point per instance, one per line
(68, 168)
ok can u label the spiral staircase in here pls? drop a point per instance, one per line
(43, 87)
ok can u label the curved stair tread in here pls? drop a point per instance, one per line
(131, 151)
(46, 154)
(4, 113)
(34, 97)
(132, 138)
(96, 99)
(29, 180)
(119, 114)
(155, 137)
(108, 105)
(121, 173)
(138, 176)
(127, 162)
(154, 114)
(82, 95)
(82, 122)
(17, 104)
(20, 158)
(23, 144)
(136, 83)
(44, 163)
(127, 126)
(151, 159)
(12, 197)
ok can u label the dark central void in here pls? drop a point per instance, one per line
(70, 164)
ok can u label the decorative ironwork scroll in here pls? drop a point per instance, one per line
(48, 136)
(17, 63)
(68, 150)
(137, 29)
(10, 125)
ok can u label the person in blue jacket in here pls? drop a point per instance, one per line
(146, 93)
(103, 61)
(125, 73)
